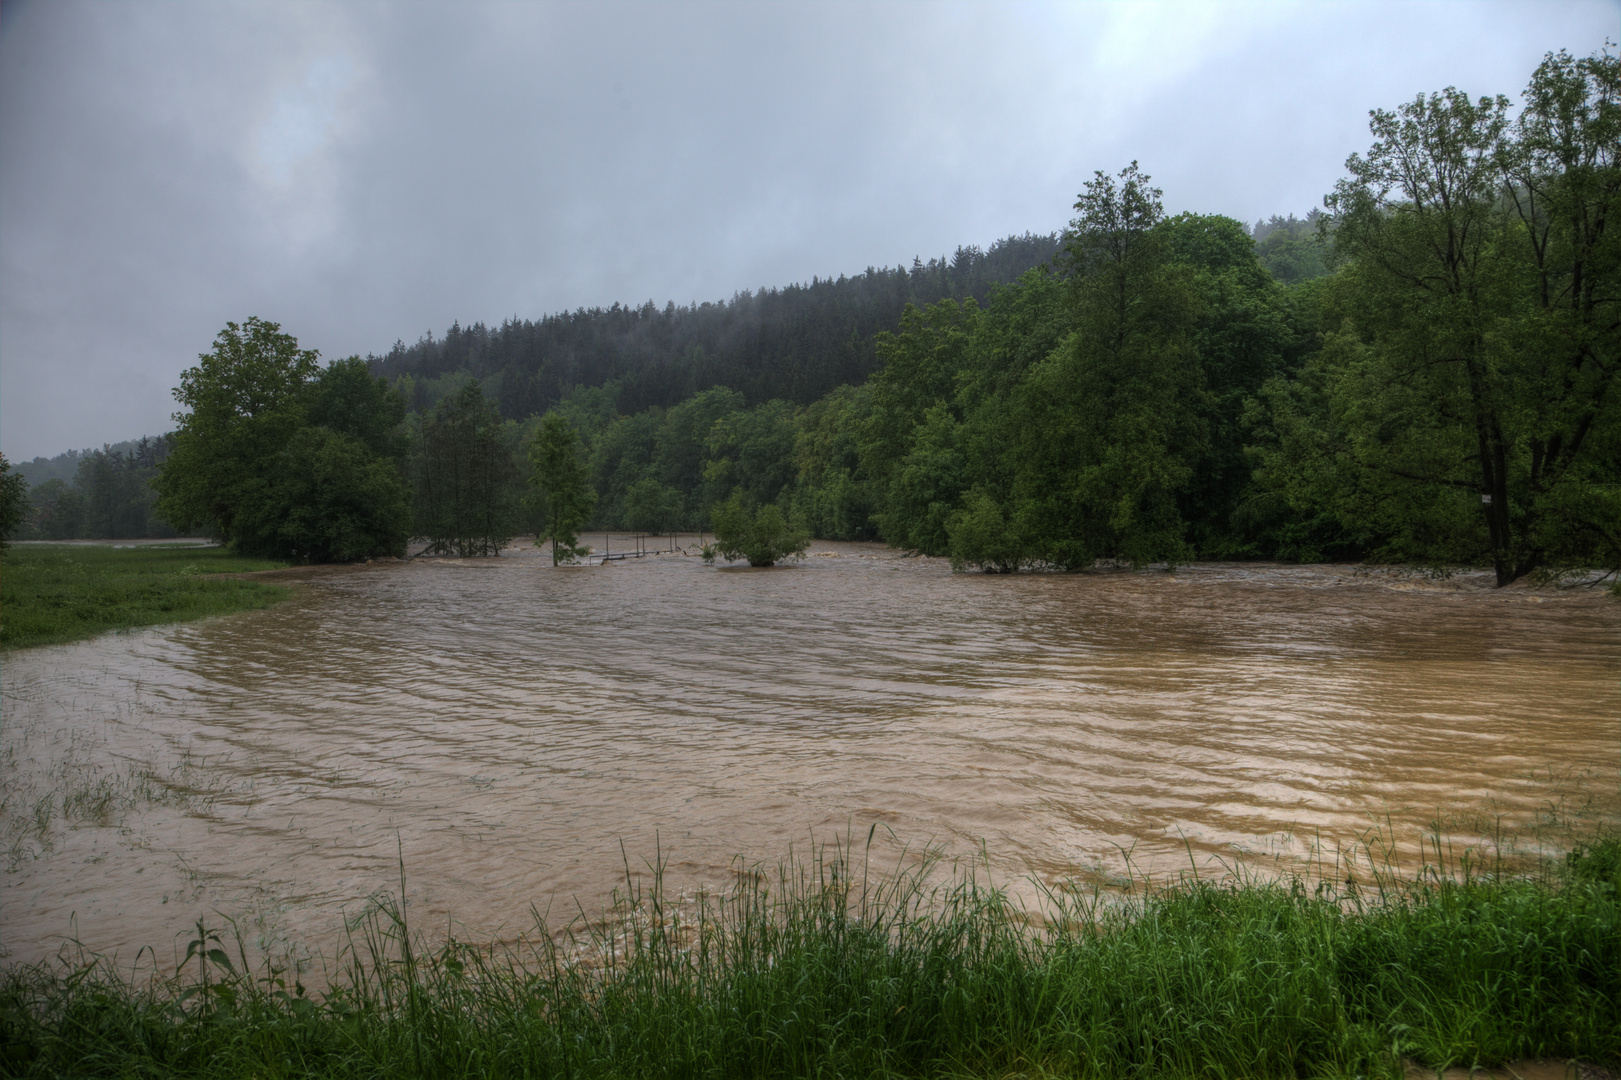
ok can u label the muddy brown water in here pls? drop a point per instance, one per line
(510, 728)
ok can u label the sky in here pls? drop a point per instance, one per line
(362, 173)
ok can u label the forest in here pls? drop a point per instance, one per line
(1421, 372)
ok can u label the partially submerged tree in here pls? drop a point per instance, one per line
(563, 486)
(1465, 405)
(466, 478)
(763, 536)
(272, 453)
(1100, 435)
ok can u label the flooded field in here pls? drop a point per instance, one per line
(507, 727)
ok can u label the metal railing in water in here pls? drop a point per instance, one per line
(641, 550)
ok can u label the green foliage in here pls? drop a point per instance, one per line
(924, 490)
(13, 502)
(1463, 407)
(51, 594)
(753, 450)
(104, 494)
(651, 507)
(1164, 389)
(55, 512)
(282, 459)
(1292, 249)
(346, 399)
(1082, 453)
(921, 362)
(983, 537)
(243, 402)
(559, 476)
(763, 536)
(681, 444)
(332, 500)
(796, 343)
(467, 482)
(1245, 334)
(832, 491)
(621, 455)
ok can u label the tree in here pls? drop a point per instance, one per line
(832, 490)
(1564, 179)
(559, 476)
(281, 458)
(1243, 336)
(1103, 433)
(1466, 406)
(346, 399)
(918, 380)
(56, 511)
(983, 537)
(243, 402)
(466, 478)
(764, 536)
(651, 507)
(13, 502)
(331, 500)
(117, 493)
(753, 450)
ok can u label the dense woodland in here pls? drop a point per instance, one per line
(1424, 371)
(101, 494)
(795, 343)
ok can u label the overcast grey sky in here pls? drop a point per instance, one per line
(366, 172)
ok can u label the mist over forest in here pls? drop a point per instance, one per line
(794, 343)
(1421, 373)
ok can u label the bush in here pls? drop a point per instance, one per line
(763, 537)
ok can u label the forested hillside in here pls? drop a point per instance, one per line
(794, 343)
(1425, 372)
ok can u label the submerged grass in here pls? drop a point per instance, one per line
(51, 593)
(820, 970)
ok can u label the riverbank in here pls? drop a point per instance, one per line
(822, 968)
(54, 593)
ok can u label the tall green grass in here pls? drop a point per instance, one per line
(51, 593)
(822, 969)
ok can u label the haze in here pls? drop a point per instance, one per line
(362, 173)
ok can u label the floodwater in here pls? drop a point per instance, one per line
(507, 729)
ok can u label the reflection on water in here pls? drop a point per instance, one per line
(507, 726)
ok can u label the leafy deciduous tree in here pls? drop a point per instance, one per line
(560, 477)
(13, 502)
(763, 536)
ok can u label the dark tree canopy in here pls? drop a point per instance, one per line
(273, 456)
(467, 481)
(13, 501)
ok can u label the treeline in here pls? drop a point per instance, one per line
(1172, 388)
(1423, 373)
(101, 494)
(980, 411)
(795, 343)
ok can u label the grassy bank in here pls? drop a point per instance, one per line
(51, 593)
(819, 971)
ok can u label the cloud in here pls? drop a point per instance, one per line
(362, 173)
(304, 117)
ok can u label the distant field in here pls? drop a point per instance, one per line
(51, 593)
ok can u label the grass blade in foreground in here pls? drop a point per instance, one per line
(821, 971)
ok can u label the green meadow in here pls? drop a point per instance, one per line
(51, 593)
